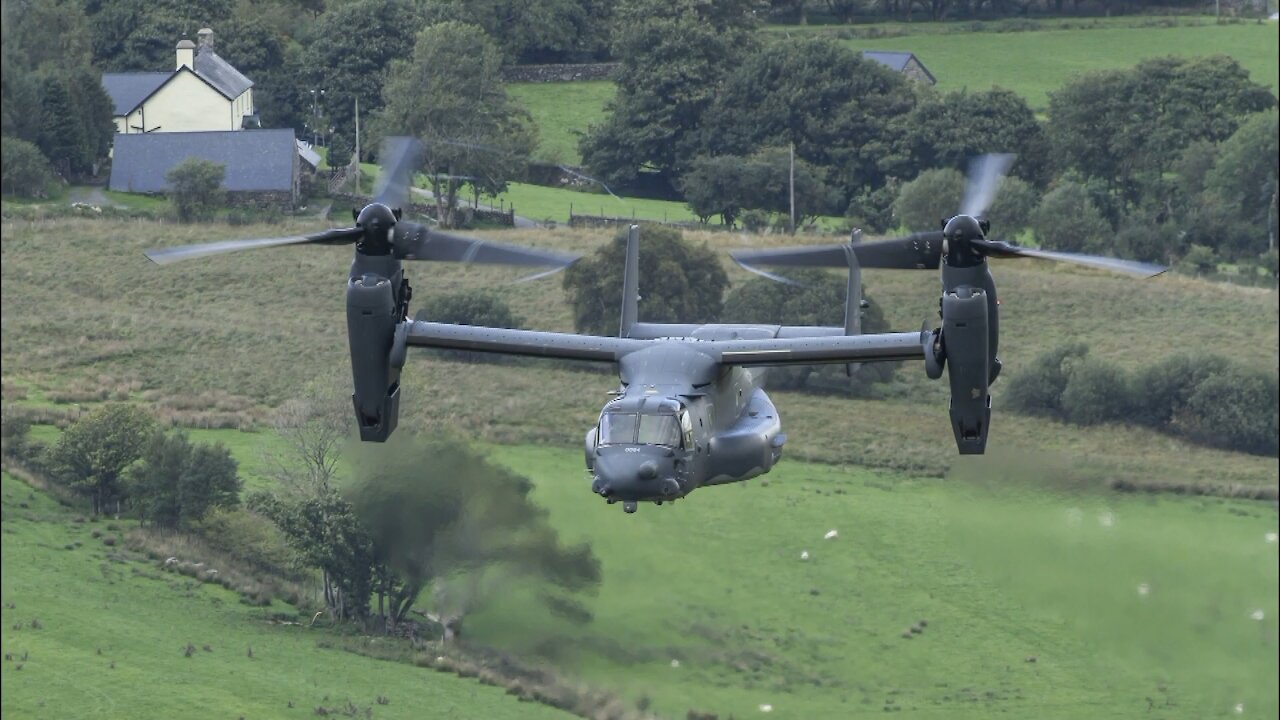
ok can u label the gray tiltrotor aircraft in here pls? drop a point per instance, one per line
(690, 409)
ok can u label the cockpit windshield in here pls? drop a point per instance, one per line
(618, 428)
(659, 430)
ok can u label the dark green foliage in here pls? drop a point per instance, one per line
(818, 299)
(948, 130)
(92, 454)
(438, 513)
(262, 53)
(1234, 408)
(1245, 177)
(540, 31)
(872, 208)
(141, 34)
(1144, 237)
(177, 482)
(49, 35)
(1068, 220)
(1161, 391)
(931, 198)
(20, 112)
(25, 169)
(726, 185)
(1037, 389)
(673, 58)
(469, 307)
(59, 131)
(1127, 127)
(195, 187)
(1096, 392)
(837, 107)
(1011, 212)
(679, 282)
(451, 96)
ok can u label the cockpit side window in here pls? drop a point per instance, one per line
(659, 430)
(618, 428)
(686, 428)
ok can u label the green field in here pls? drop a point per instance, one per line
(1045, 60)
(542, 204)
(113, 630)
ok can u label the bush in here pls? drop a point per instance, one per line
(1011, 212)
(1038, 389)
(679, 282)
(1068, 220)
(25, 170)
(469, 307)
(195, 187)
(1236, 409)
(818, 299)
(1096, 392)
(1161, 391)
(872, 210)
(930, 198)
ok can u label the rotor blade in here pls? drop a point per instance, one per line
(1001, 249)
(985, 175)
(766, 274)
(418, 242)
(164, 256)
(399, 159)
(920, 251)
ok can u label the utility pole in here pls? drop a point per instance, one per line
(357, 146)
(792, 183)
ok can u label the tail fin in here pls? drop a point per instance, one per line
(631, 283)
(853, 296)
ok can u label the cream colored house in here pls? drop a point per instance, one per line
(203, 92)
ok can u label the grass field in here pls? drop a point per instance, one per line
(975, 60)
(199, 333)
(542, 203)
(1003, 568)
(113, 629)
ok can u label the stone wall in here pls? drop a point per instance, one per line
(558, 73)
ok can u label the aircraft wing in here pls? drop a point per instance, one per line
(819, 350)
(520, 342)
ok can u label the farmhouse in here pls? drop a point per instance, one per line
(264, 164)
(904, 62)
(202, 92)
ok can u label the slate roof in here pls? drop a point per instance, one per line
(255, 160)
(128, 90)
(311, 157)
(895, 60)
(219, 73)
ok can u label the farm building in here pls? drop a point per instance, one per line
(262, 163)
(202, 92)
(904, 62)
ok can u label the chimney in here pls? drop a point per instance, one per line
(186, 54)
(206, 39)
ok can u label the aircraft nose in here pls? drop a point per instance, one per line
(629, 478)
(648, 470)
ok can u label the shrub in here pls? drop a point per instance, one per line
(1038, 389)
(1096, 392)
(1067, 219)
(1235, 409)
(930, 198)
(1010, 214)
(469, 307)
(1161, 391)
(195, 187)
(24, 171)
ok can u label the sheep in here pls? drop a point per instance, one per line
(831, 535)
(804, 555)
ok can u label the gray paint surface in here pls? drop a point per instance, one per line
(255, 160)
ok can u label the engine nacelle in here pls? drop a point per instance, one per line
(967, 340)
(373, 319)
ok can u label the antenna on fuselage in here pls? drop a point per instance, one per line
(631, 283)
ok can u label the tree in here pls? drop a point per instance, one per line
(195, 187)
(1011, 211)
(25, 169)
(679, 282)
(948, 130)
(92, 454)
(931, 198)
(1128, 127)
(439, 515)
(1235, 409)
(817, 298)
(1161, 391)
(673, 57)
(141, 34)
(177, 483)
(1068, 220)
(1247, 174)
(537, 31)
(469, 307)
(1096, 392)
(313, 427)
(836, 106)
(349, 54)
(726, 185)
(451, 96)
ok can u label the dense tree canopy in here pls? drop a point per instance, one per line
(538, 31)
(92, 454)
(451, 96)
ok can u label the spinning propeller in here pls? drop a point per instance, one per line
(380, 231)
(963, 240)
